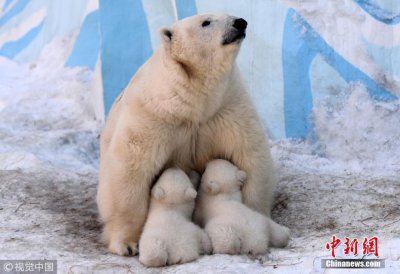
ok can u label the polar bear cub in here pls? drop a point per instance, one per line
(169, 235)
(232, 226)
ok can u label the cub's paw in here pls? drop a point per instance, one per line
(279, 235)
(152, 260)
(182, 257)
(206, 247)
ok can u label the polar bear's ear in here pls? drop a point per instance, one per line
(212, 187)
(166, 35)
(241, 176)
(190, 194)
(158, 193)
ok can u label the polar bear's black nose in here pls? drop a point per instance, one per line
(240, 24)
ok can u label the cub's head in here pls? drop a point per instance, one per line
(207, 42)
(222, 177)
(174, 188)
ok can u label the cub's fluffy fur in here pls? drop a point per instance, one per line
(169, 236)
(232, 226)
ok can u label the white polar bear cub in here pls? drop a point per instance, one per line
(232, 226)
(169, 235)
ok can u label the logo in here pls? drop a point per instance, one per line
(356, 247)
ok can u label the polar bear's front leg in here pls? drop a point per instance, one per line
(126, 174)
(237, 135)
(122, 200)
(259, 186)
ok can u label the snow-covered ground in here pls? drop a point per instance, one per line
(346, 183)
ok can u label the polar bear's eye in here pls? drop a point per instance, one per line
(206, 23)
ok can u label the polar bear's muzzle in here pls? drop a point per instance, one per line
(236, 32)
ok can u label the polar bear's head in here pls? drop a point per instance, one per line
(174, 188)
(222, 177)
(205, 43)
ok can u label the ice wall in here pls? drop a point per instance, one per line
(297, 54)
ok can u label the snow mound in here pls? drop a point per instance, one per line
(360, 132)
(46, 117)
(353, 135)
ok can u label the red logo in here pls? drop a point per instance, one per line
(351, 247)
(370, 246)
(333, 245)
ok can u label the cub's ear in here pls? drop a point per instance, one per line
(194, 178)
(190, 194)
(166, 35)
(241, 176)
(158, 193)
(212, 187)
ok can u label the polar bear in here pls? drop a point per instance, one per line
(185, 106)
(233, 227)
(169, 235)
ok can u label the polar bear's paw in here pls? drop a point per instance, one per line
(279, 235)
(206, 247)
(153, 260)
(123, 249)
(254, 245)
(182, 256)
(224, 239)
(153, 251)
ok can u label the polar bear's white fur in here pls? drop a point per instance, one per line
(169, 235)
(185, 106)
(232, 226)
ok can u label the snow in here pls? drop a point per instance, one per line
(353, 135)
(345, 181)
(46, 115)
(360, 133)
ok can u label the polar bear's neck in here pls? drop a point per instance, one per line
(178, 97)
(236, 196)
(208, 199)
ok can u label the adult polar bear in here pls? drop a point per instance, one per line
(184, 107)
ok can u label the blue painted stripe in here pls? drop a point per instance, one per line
(125, 44)
(17, 8)
(300, 45)
(11, 49)
(378, 13)
(296, 61)
(87, 44)
(186, 8)
(8, 2)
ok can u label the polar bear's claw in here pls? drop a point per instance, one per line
(123, 249)
(130, 252)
